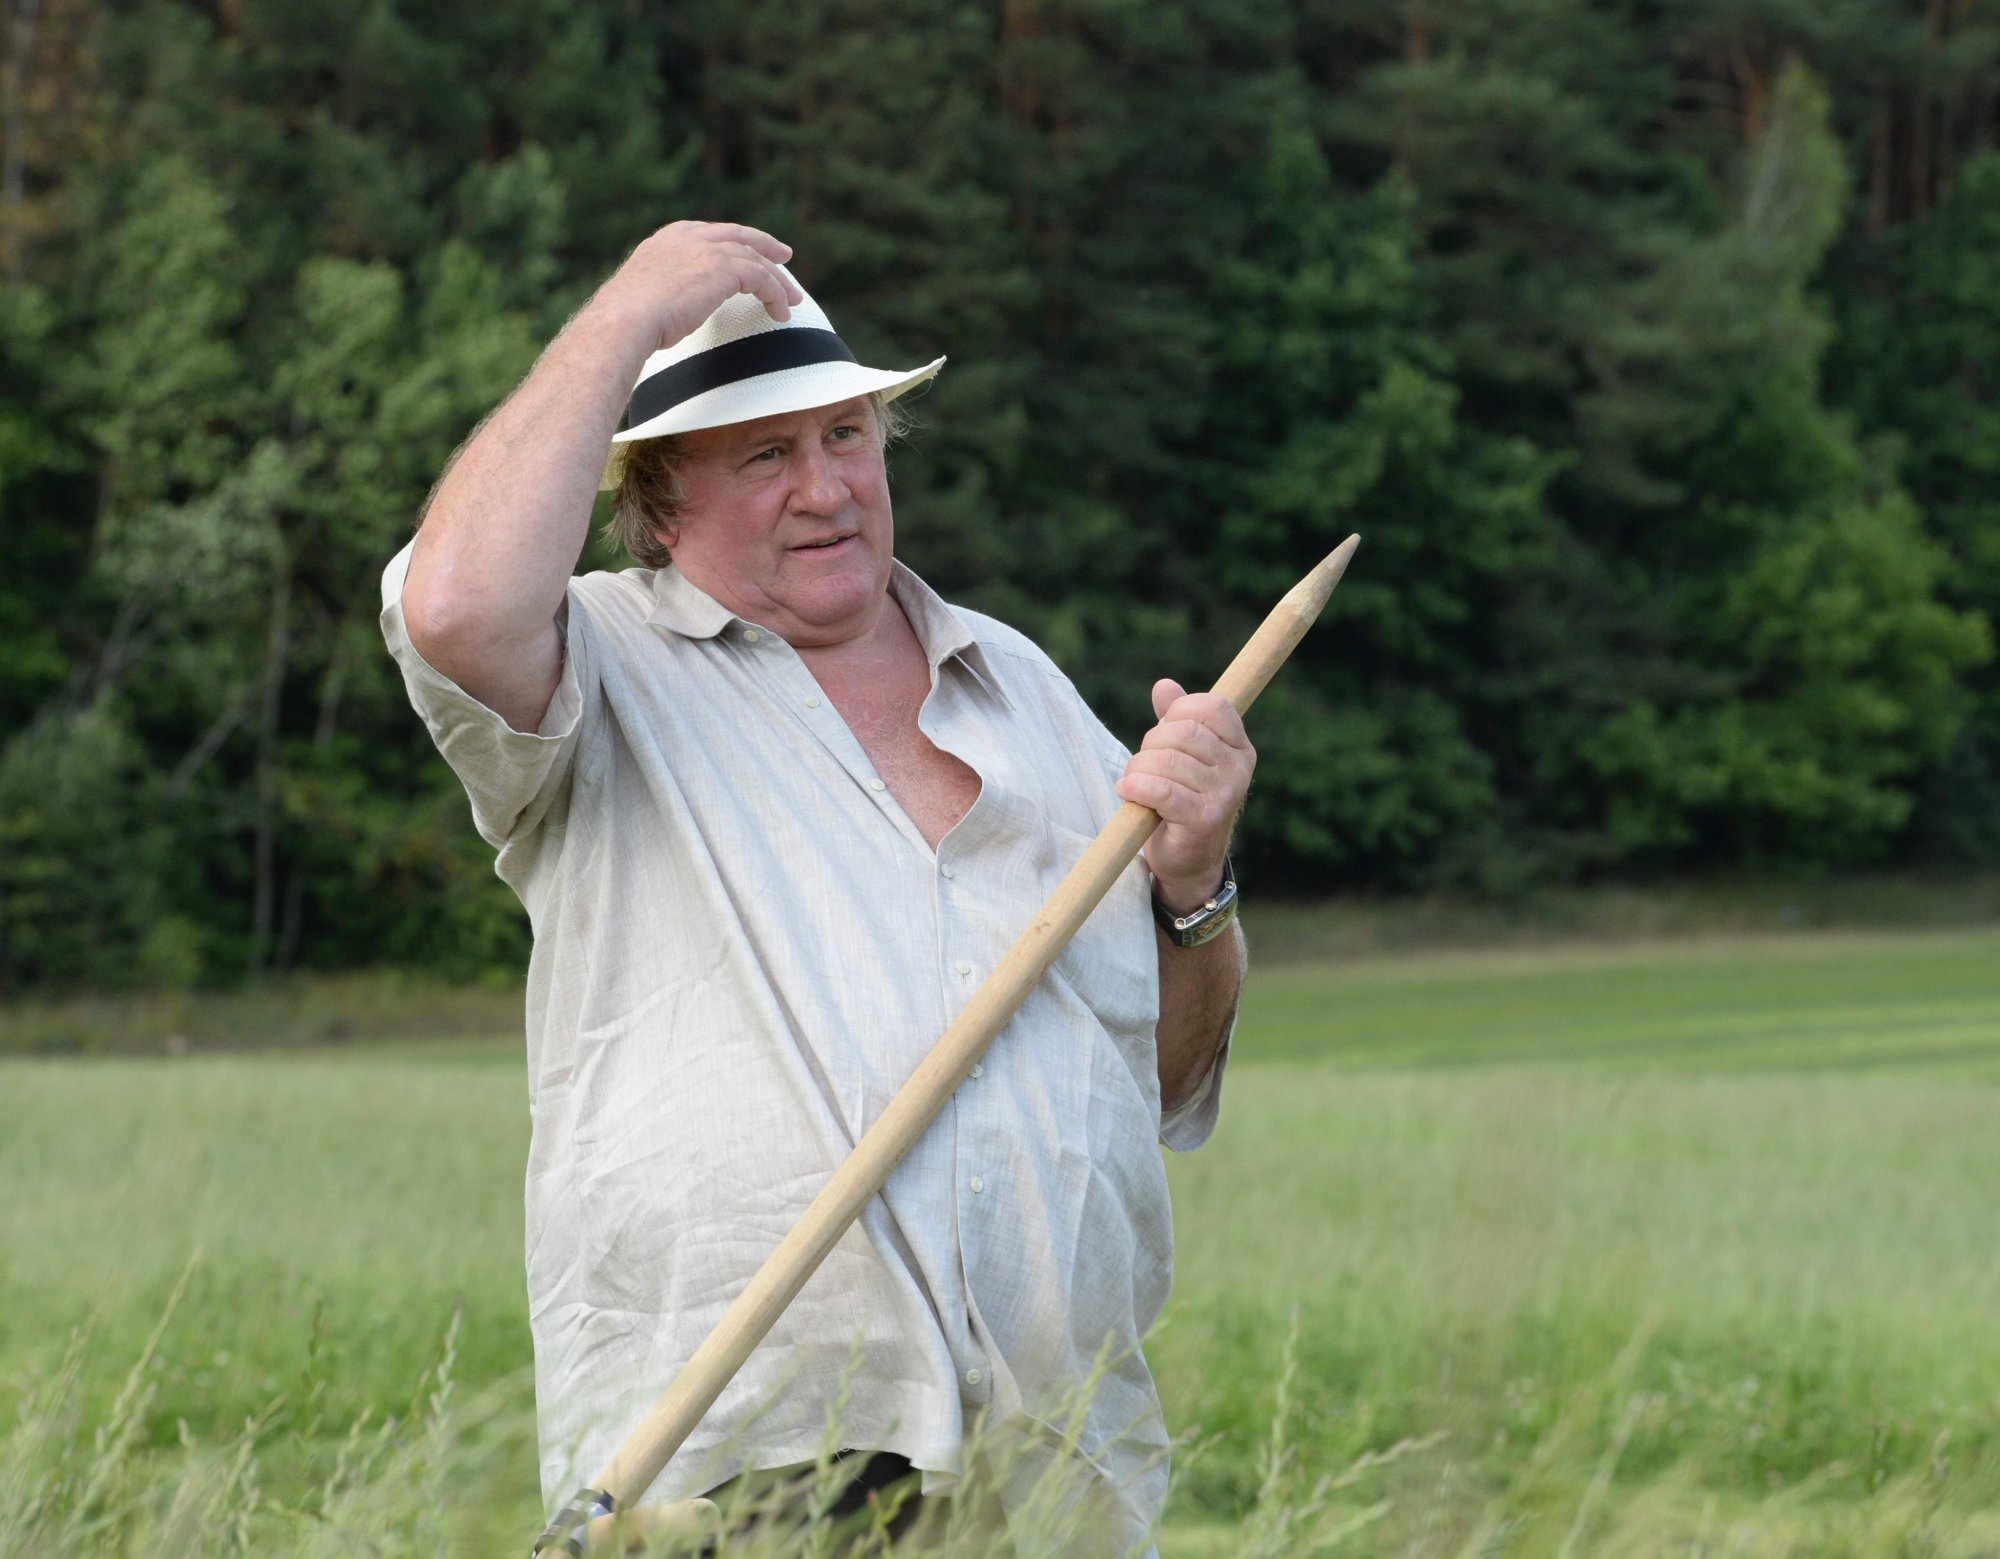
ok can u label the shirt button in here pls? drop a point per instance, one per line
(946, 870)
(973, 1377)
(876, 785)
(812, 703)
(963, 967)
(751, 636)
(978, 1185)
(978, 1070)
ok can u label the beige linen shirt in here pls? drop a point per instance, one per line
(742, 948)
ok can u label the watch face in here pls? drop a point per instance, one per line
(1209, 929)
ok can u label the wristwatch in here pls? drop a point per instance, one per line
(1206, 922)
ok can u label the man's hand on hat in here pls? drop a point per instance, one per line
(1193, 768)
(683, 273)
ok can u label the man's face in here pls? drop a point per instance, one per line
(787, 521)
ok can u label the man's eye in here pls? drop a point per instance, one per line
(766, 455)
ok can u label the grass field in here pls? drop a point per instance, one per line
(1678, 1250)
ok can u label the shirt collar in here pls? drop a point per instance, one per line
(940, 630)
(683, 607)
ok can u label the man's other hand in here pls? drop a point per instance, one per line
(1194, 769)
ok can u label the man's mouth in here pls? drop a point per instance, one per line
(824, 543)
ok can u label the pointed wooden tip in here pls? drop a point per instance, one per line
(1336, 560)
(1309, 595)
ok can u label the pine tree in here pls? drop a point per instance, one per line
(1335, 410)
(1919, 359)
(1786, 667)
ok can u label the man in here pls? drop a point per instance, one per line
(774, 810)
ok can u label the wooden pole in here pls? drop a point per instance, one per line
(592, 1513)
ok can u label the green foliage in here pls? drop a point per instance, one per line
(1651, 351)
(43, 543)
(1785, 663)
(1334, 412)
(293, 295)
(1920, 361)
(77, 851)
(1847, 668)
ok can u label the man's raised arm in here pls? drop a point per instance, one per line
(505, 526)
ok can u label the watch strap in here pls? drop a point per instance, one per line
(1207, 920)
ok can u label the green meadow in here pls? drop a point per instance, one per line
(1686, 1249)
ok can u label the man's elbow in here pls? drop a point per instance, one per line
(440, 625)
(451, 627)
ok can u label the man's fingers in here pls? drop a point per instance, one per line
(1189, 736)
(1177, 764)
(1213, 711)
(754, 237)
(1171, 702)
(1193, 769)
(793, 292)
(1179, 805)
(1175, 802)
(763, 281)
(1223, 785)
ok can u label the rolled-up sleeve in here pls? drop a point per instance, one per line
(1190, 1124)
(511, 776)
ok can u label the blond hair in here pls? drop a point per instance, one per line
(652, 485)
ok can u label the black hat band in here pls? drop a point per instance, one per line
(748, 357)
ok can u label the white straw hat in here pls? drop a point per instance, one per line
(740, 364)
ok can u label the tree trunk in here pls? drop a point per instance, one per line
(803, 160)
(330, 689)
(1882, 142)
(1928, 115)
(1020, 22)
(126, 625)
(1418, 44)
(277, 649)
(13, 158)
(1753, 80)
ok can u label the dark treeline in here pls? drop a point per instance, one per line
(1653, 347)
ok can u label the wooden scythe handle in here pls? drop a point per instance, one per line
(673, 1418)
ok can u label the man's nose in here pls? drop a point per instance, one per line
(817, 487)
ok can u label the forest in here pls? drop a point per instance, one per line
(1652, 348)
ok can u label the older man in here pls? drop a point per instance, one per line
(774, 810)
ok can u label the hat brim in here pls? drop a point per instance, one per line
(767, 395)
